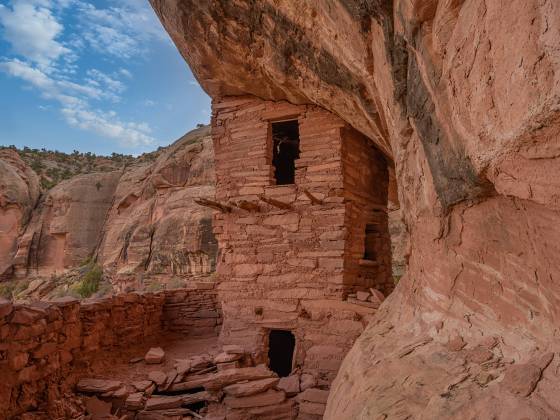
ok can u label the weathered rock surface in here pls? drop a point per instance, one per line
(19, 192)
(140, 223)
(154, 226)
(154, 356)
(65, 228)
(468, 110)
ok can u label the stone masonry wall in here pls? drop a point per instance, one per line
(192, 312)
(366, 184)
(283, 266)
(43, 344)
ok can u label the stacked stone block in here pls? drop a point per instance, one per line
(43, 345)
(290, 258)
(193, 312)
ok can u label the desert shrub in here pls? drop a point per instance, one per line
(176, 283)
(86, 261)
(37, 165)
(89, 283)
(11, 289)
(154, 287)
(6, 289)
(47, 184)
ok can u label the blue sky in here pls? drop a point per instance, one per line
(92, 75)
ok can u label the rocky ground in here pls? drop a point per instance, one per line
(197, 379)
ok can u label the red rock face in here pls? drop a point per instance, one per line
(142, 220)
(154, 226)
(19, 192)
(467, 108)
(65, 227)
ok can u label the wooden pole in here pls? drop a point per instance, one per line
(213, 205)
(247, 205)
(275, 203)
(313, 199)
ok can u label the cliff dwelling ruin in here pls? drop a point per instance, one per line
(305, 297)
(303, 261)
(307, 227)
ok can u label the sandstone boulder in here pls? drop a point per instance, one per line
(155, 356)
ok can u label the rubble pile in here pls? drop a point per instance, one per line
(225, 385)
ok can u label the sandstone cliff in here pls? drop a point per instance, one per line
(463, 96)
(19, 192)
(140, 223)
(154, 226)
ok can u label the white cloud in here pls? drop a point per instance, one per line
(27, 73)
(122, 30)
(99, 78)
(75, 107)
(46, 58)
(107, 125)
(149, 102)
(125, 73)
(32, 30)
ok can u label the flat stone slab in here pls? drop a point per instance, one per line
(250, 388)
(314, 395)
(227, 357)
(141, 385)
(135, 401)
(233, 349)
(158, 377)
(163, 403)
(269, 397)
(97, 386)
(221, 379)
(289, 384)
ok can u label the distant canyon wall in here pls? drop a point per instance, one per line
(136, 223)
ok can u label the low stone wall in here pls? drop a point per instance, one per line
(193, 312)
(42, 344)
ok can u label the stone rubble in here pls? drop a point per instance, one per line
(200, 388)
(42, 343)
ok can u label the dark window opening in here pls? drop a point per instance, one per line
(285, 144)
(281, 345)
(372, 234)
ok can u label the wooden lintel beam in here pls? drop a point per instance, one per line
(313, 199)
(275, 203)
(213, 205)
(247, 205)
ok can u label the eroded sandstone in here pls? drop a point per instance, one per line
(467, 109)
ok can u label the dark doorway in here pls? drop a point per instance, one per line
(285, 144)
(371, 242)
(281, 345)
